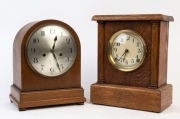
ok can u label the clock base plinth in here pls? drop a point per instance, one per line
(25, 100)
(155, 100)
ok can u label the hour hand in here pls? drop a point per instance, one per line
(55, 39)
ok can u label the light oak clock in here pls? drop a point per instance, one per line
(132, 62)
(46, 65)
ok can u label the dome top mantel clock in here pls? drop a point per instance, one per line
(132, 62)
(46, 65)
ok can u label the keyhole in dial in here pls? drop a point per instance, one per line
(44, 55)
(60, 54)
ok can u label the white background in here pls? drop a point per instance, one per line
(78, 13)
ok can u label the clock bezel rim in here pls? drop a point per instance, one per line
(46, 23)
(111, 60)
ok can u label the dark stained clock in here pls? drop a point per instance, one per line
(132, 62)
(46, 65)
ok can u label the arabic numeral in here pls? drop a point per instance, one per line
(137, 56)
(132, 60)
(68, 40)
(115, 49)
(52, 70)
(42, 33)
(33, 50)
(70, 50)
(52, 31)
(42, 67)
(137, 44)
(35, 60)
(61, 66)
(117, 44)
(35, 40)
(115, 59)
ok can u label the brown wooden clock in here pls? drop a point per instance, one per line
(46, 65)
(132, 62)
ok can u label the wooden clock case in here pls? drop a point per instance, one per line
(146, 87)
(31, 89)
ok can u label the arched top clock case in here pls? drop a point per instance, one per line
(25, 78)
(35, 86)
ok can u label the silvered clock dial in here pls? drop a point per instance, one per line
(51, 50)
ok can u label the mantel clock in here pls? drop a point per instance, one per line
(132, 62)
(46, 65)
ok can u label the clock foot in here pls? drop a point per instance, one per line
(81, 103)
(22, 109)
(33, 99)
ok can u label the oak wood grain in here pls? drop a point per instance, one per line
(146, 87)
(155, 100)
(101, 28)
(133, 17)
(140, 77)
(31, 89)
(163, 53)
(26, 100)
(154, 54)
(26, 79)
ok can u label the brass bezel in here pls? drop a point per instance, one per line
(110, 57)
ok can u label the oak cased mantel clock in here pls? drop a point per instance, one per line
(46, 65)
(132, 62)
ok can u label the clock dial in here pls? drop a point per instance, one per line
(126, 50)
(51, 50)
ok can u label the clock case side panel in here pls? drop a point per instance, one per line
(101, 36)
(159, 54)
(163, 53)
(32, 81)
(17, 51)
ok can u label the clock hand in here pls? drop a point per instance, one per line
(56, 61)
(124, 54)
(55, 39)
(126, 51)
(52, 51)
(124, 57)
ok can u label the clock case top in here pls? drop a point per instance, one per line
(26, 79)
(154, 30)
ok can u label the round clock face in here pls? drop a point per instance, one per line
(51, 50)
(126, 50)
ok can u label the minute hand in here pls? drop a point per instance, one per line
(56, 61)
(124, 54)
(52, 51)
